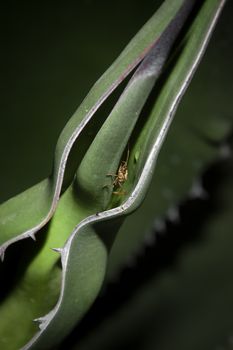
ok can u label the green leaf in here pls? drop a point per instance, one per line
(191, 299)
(84, 255)
(193, 142)
(72, 266)
(43, 275)
(39, 203)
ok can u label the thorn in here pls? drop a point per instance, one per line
(225, 151)
(198, 191)
(173, 214)
(159, 226)
(41, 321)
(2, 253)
(32, 236)
(57, 250)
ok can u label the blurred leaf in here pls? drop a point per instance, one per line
(39, 203)
(188, 304)
(195, 139)
(84, 255)
(43, 271)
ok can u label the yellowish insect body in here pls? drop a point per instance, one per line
(121, 176)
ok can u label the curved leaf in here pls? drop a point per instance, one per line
(190, 299)
(39, 203)
(89, 227)
(42, 272)
(194, 141)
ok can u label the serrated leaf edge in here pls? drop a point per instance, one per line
(138, 192)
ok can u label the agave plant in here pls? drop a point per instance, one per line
(104, 163)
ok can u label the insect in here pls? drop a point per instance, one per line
(121, 176)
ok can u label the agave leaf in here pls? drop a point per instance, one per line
(195, 139)
(93, 227)
(87, 237)
(39, 203)
(191, 301)
(73, 207)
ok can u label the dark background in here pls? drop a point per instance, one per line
(51, 55)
